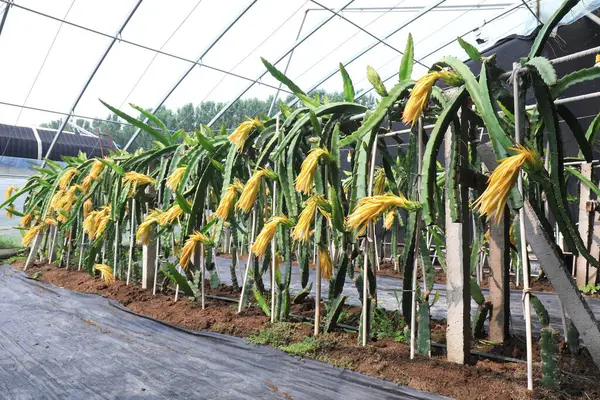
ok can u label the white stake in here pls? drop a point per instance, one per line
(273, 242)
(248, 261)
(131, 240)
(51, 252)
(116, 258)
(81, 250)
(523, 249)
(203, 263)
(156, 263)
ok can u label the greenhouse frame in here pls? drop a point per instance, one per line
(300, 199)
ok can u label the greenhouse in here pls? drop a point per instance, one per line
(302, 199)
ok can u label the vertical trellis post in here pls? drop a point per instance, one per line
(116, 257)
(499, 263)
(458, 290)
(34, 249)
(274, 240)
(584, 226)
(248, 261)
(54, 230)
(519, 109)
(317, 283)
(131, 239)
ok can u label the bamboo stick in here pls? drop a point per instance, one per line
(274, 240)
(116, 257)
(131, 240)
(248, 261)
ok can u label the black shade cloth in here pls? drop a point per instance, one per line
(58, 344)
(18, 141)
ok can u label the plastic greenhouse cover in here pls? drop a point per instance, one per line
(55, 343)
(50, 61)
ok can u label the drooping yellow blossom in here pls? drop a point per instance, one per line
(87, 183)
(143, 233)
(66, 178)
(57, 199)
(302, 230)
(88, 206)
(175, 178)
(492, 201)
(137, 178)
(370, 208)
(96, 170)
(239, 136)
(228, 199)
(326, 263)
(259, 248)
(388, 221)
(103, 220)
(30, 235)
(105, 273)
(189, 248)
(379, 182)
(419, 96)
(306, 177)
(9, 192)
(248, 196)
(50, 221)
(27, 219)
(169, 216)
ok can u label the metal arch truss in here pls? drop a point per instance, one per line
(198, 62)
(89, 80)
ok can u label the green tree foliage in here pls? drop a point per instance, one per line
(189, 118)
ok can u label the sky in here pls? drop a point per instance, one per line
(46, 63)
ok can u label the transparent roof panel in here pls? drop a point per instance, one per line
(182, 30)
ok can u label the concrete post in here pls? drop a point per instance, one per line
(499, 263)
(458, 290)
(148, 261)
(581, 264)
(594, 247)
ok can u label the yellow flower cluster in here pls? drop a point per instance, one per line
(419, 96)
(379, 182)
(95, 171)
(9, 192)
(492, 201)
(66, 178)
(175, 178)
(259, 248)
(241, 133)
(370, 208)
(248, 196)
(96, 222)
(173, 213)
(306, 177)
(326, 263)
(143, 233)
(105, 273)
(302, 230)
(228, 199)
(189, 248)
(30, 235)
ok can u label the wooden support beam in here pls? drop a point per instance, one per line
(458, 290)
(581, 264)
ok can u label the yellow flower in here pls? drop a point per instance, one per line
(419, 96)
(173, 213)
(66, 178)
(326, 264)
(175, 178)
(248, 196)
(190, 247)
(143, 233)
(493, 200)
(370, 208)
(96, 170)
(227, 200)
(50, 221)
(87, 182)
(102, 220)
(137, 178)
(105, 273)
(259, 248)
(305, 178)
(88, 206)
(379, 182)
(389, 220)
(9, 192)
(27, 219)
(30, 234)
(302, 231)
(57, 200)
(239, 136)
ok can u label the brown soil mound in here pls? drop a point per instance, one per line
(385, 358)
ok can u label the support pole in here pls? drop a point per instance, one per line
(156, 264)
(34, 249)
(248, 261)
(116, 255)
(499, 263)
(52, 243)
(202, 276)
(458, 290)
(131, 240)
(584, 226)
(523, 250)
(317, 283)
(274, 244)
(148, 260)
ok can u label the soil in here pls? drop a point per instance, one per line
(384, 358)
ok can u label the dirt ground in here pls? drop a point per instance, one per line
(386, 358)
